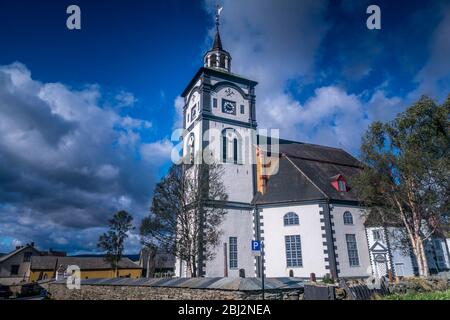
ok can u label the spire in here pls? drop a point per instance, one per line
(217, 57)
(217, 45)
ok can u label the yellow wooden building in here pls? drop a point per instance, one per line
(46, 267)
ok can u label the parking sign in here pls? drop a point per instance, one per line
(256, 247)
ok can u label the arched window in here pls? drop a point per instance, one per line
(213, 60)
(222, 61)
(231, 146)
(191, 148)
(348, 218)
(290, 219)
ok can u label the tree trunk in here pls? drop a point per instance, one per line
(148, 266)
(188, 268)
(419, 251)
(152, 262)
(194, 267)
(426, 272)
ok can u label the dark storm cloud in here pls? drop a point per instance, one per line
(66, 162)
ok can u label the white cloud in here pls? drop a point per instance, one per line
(157, 152)
(277, 44)
(125, 99)
(16, 243)
(178, 105)
(264, 40)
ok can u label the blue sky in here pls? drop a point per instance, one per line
(86, 115)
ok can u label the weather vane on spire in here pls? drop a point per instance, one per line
(218, 11)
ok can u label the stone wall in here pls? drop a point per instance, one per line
(59, 291)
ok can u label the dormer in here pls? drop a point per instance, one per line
(339, 183)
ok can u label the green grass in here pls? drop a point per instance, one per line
(437, 295)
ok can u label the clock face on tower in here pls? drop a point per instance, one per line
(228, 107)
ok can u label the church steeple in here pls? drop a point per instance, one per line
(217, 57)
(217, 42)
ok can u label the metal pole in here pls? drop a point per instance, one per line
(262, 268)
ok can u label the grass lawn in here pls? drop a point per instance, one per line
(437, 295)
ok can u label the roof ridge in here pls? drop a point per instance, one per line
(312, 144)
(308, 178)
(323, 161)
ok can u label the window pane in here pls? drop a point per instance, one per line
(291, 218)
(214, 103)
(14, 269)
(233, 252)
(376, 235)
(352, 249)
(242, 109)
(293, 251)
(348, 218)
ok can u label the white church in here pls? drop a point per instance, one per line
(292, 196)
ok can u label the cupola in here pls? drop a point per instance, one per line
(217, 57)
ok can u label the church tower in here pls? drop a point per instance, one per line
(219, 119)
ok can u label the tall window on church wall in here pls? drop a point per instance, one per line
(235, 150)
(224, 148)
(233, 253)
(352, 250)
(293, 251)
(230, 137)
(191, 148)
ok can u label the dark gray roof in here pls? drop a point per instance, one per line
(13, 253)
(241, 284)
(85, 263)
(317, 153)
(306, 172)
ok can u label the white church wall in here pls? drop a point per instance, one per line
(230, 94)
(309, 229)
(364, 268)
(238, 178)
(239, 224)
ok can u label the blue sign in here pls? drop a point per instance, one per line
(256, 245)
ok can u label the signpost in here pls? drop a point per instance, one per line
(257, 250)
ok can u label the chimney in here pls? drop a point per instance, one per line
(32, 244)
(18, 247)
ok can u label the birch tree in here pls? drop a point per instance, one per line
(406, 177)
(186, 213)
